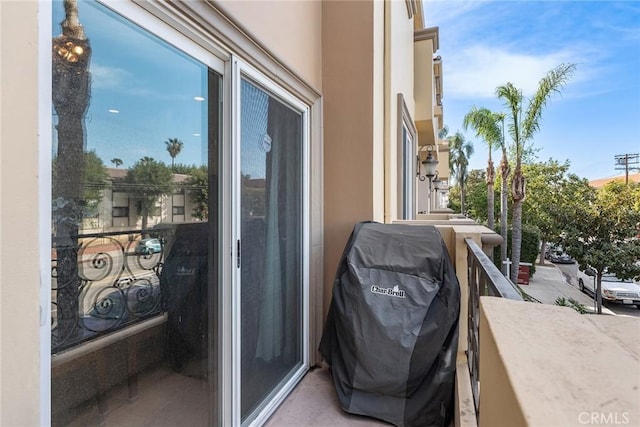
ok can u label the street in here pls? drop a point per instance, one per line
(570, 272)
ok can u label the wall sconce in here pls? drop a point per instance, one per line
(430, 164)
(436, 183)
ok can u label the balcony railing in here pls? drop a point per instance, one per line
(102, 282)
(484, 280)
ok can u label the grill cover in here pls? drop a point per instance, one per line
(391, 334)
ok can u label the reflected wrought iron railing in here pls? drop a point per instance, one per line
(102, 282)
(485, 279)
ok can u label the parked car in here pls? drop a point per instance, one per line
(561, 258)
(614, 289)
(148, 246)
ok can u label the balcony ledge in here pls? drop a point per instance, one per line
(546, 365)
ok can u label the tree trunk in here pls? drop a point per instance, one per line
(504, 167)
(462, 199)
(543, 249)
(70, 95)
(490, 194)
(490, 207)
(599, 292)
(518, 193)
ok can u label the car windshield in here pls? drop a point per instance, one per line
(610, 277)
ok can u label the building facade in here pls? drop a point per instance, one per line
(304, 118)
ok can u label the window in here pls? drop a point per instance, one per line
(120, 212)
(177, 210)
(407, 143)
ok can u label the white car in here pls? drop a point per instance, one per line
(614, 289)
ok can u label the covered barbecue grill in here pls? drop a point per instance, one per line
(391, 334)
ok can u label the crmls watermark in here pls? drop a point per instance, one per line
(603, 418)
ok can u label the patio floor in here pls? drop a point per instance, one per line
(314, 403)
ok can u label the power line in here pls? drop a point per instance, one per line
(627, 162)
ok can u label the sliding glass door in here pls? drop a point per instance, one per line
(271, 244)
(134, 260)
(166, 159)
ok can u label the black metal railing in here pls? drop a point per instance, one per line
(484, 280)
(102, 282)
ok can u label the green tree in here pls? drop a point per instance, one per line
(197, 186)
(95, 179)
(117, 162)
(604, 233)
(522, 125)
(459, 153)
(174, 147)
(146, 181)
(552, 195)
(476, 195)
(184, 169)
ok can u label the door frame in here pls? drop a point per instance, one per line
(241, 70)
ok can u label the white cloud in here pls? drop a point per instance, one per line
(442, 12)
(477, 70)
(104, 77)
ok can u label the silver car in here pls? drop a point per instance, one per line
(614, 289)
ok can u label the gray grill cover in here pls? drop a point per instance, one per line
(391, 334)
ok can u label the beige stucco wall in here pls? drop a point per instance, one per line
(353, 97)
(398, 79)
(290, 30)
(19, 249)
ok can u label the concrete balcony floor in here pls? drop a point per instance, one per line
(169, 399)
(314, 403)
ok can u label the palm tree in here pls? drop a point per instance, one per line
(505, 170)
(521, 131)
(174, 147)
(116, 161)
(484, 122)
(71, 95)
(459, 153)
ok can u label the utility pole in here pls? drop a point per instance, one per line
(626, 163)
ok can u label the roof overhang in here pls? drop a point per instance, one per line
(427, 85)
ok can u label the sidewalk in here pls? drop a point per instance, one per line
(548, 284)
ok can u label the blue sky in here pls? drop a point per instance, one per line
(142, 92)
(484, 44)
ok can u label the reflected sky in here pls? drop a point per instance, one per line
(142, 92)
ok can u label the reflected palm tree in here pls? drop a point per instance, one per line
(174, 147)
(71, 87)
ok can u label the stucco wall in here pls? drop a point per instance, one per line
(353, 125)
(290, 30)
(19, 248)
(398, 79)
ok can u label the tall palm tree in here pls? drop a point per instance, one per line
(484, 122)
(459, 153)
(522, 131)
(174, 147)
(71, 94)
(505, 171)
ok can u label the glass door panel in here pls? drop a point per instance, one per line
(135, 225)
(271, 222)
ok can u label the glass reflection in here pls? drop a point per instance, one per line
(134, 217)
